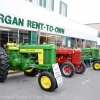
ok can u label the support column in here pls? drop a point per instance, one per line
(32, 39)
(96, 44)
(8, 36)
(0, 39)
(67, 41)
(84, 43)
(18, 36)
(79, 43)
(75, 42)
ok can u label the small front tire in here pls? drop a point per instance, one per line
(96, 65)
(67, 69)
(47, 81)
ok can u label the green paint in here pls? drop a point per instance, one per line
(51, 28)
(32, 39)
(66, 41)
(12, 21)
(2, 18)
(15, 21)
(30, 24)
(35, 25)
(59, 30)
(55, 29)
(41, 26)
(8, 19)
(47, 27)
(21, 22)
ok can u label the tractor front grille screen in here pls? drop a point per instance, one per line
(47, 56)
(96, 53)
(77, 57)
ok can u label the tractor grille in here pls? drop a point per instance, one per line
(77, 57)
(96, 53)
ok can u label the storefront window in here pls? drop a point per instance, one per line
(13, 36)
(6, 37)
(73, 43)
(23, 37)
(51, 39)
(3, 39)
(93, 44)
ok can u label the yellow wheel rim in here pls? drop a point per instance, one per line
(97, 66)
(29, 70)
(45, 82)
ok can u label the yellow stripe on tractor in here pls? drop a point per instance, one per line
(12, 46)
(39, 51)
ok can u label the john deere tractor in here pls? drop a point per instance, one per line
(32, 59)
(92, 55)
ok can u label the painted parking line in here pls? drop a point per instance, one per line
(89, 68)
(85, 81)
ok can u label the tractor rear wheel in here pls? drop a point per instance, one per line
(47, 81)
(31, 72)
(96, 65)
(80, 69)
(67, 69)
(3, 65)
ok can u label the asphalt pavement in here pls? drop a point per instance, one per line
(79, 87)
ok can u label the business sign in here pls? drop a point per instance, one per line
(27, 23)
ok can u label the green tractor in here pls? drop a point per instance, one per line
(32, 59)
(91, 55)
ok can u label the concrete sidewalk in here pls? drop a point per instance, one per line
(12, 71)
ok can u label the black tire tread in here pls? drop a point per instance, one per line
(53, 81)
(3, 65)
(95, 63)
(83, 70)
(72, 69)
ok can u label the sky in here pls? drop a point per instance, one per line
(84, 11)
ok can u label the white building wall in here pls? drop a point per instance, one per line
(98, 43)
(25, 9)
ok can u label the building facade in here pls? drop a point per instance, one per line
(97, 27)
(42, 21)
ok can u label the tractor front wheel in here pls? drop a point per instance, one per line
(47, 81)
(3, 65)
(96, 65)
(31, 72)
(80, 69)
(67, 69)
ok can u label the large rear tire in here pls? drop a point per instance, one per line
(67, 69)
(3, 65)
